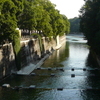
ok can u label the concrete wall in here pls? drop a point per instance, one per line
(30, 53)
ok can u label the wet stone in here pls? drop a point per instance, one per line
(52, 74)
(32, 86)
(6, 85)
(33, 74)
(72, 69)
(17, 88)
(61, 69)
(49, 69)
(38, 68)
(84, 69)
(59, 89)
(72, 75)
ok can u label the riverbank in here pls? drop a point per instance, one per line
(32, 55)
(29, 68)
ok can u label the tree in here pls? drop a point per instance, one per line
(74, 24)
(8, 21)
(41, 15)
(66, 24)
(8, 25)
(45, 22)
(27, 19)
(90, 23)
(19, 7)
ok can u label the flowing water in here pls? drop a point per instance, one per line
(68, 74)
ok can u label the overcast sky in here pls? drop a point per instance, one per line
(70, 8)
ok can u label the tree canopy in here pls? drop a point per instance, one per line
(90, 23)
(39, 15)
(8, 21)
(74, 25)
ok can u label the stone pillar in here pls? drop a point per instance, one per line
(58, 43)
(58, 55)
(19, 33)
(57, 40)
(44, 44)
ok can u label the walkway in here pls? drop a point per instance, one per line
(28, 69)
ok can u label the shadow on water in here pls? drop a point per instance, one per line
(91, 62)
(93, 91)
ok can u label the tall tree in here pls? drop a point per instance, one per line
(8, 21)
(66, 24)
(90, 23)
(74, 25)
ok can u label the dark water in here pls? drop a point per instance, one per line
(54, 82)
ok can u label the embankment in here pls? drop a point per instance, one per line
(30, 53)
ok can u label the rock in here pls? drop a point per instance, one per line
(72, 75)
(38, 68)
(84, 69)
(6, 85)
(60, 89)
(17, 88)
(72, 69)
(49, 68)
(33, 74)
(61, 69)
(52, 74)
(32, 86)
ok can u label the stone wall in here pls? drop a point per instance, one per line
(30, 50)
(30, 53)
(7, 60)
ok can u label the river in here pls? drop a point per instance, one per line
(68, 74)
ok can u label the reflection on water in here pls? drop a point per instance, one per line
(57, 57)
(84, 86)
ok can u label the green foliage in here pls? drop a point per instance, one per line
(19, 7)
(90, 23)
(28, 18)
(8, 24)
(16, 46)
(74, 24)
(41, 15)
(8, 21)
(66, 24)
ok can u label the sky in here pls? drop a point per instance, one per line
(70, 8)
